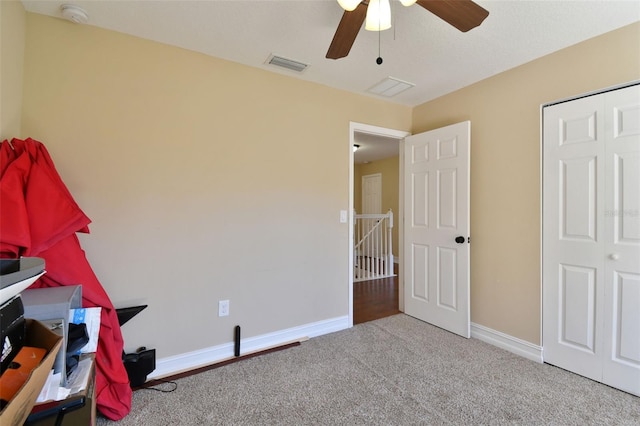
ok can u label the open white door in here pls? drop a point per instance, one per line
(436, 227)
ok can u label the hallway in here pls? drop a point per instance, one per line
(375, 299)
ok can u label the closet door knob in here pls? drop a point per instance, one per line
(614, 256)
(460, 239)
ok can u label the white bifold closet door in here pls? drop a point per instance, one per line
(591, 237)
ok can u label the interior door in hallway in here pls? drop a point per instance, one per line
(436, 227)
(372, 194)
(591, 237)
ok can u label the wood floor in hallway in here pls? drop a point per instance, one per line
(375, 299)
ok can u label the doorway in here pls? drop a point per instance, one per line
(356, 129)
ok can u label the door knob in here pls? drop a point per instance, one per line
(460, 239)
(614, 256)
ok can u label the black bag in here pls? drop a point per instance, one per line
(77, 338)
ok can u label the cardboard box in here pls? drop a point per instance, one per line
(53, 303)
(77, 409)
(18, 409)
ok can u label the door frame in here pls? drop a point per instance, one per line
(386, 132)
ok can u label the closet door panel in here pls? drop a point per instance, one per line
(621, 360)
(573, 275)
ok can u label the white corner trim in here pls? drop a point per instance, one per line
(202, 357)
(507, 342)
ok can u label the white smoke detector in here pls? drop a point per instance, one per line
(74, 13)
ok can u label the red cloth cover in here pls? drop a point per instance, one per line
(38, 217)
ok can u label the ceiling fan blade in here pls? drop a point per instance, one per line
(347, 31)
(462, 14)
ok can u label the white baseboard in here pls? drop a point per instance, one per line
(507, 342)
(211, 355)
(203, 357)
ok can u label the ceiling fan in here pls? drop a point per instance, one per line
(462, 14)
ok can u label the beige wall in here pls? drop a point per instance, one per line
(12, 35)
(196, 174)
(189, 167)
(389, 169)
(505, 168)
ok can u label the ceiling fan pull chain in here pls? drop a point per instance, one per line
(394, 16)
(379, 59)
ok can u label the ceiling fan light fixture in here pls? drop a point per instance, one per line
(378, 15)
(349, 5)
(407, 3)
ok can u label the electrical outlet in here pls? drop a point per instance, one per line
(223, 308)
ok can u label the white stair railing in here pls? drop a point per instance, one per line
(373, 243)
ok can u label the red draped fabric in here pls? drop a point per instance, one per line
(38, 217)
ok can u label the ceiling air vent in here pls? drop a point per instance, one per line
(289, 64)
(390, 87)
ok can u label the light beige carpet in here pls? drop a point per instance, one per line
(393, 371)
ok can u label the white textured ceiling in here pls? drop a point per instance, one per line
(420, 48)
(374, 147)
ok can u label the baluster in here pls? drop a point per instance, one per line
(384, 250)
(370, 264)
(372, 247)
(378, 249)
(359, 249)
(362, 247)
(390, 248)
(366, 254)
